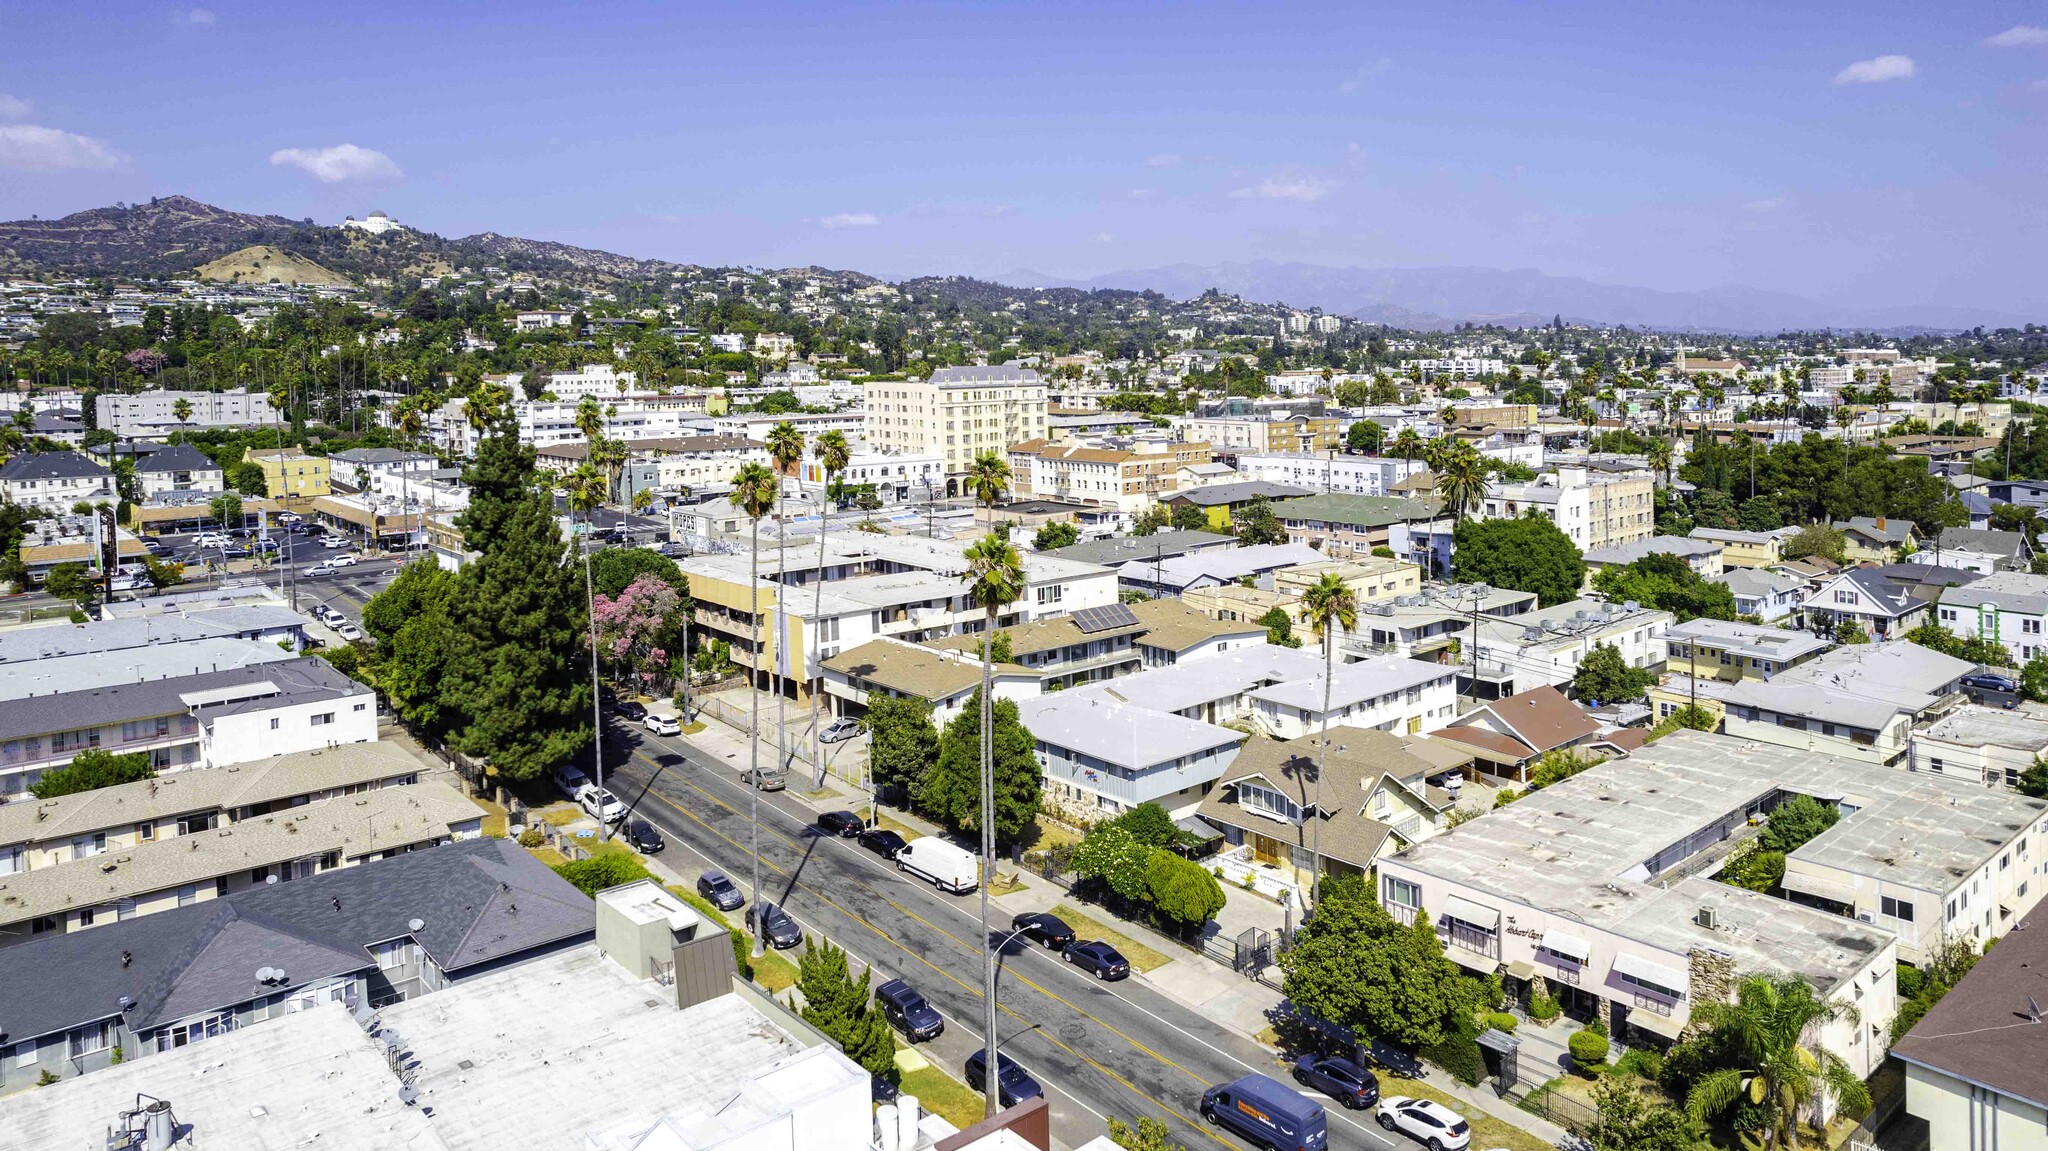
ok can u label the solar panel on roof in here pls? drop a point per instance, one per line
(1094, 619)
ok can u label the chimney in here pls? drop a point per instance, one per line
(1880, 523)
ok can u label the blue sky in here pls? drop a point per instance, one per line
(1867, 154)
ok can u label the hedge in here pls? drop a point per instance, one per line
(1589, 1051)
(1459, 1054)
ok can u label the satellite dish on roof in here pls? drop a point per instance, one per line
(265, 975)
(415, 924)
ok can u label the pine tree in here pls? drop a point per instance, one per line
(951, 791)
(513, 674)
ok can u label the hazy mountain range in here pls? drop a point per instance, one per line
(1443, 297)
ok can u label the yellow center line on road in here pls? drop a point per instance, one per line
(893, 942)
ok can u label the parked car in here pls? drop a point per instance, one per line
(1100, 958)
(332, 542)
(1426, 1121)
(348, 631)
(843, 824)
(767, 779)
(1347, 1082)
(777, 927)
(1269, 1113)
(1013, 1084)
(343, 560)
(1047, 929)
(1991, 681)
(642, 837)
(1396, 1060)
(882, 842)
(662, 724)
(320, 569)
(234, 552)
(601, 804)
(839, 730)
(570, 781)
(945, 866)
(907, 1011)
(631, 710)
(720, 891)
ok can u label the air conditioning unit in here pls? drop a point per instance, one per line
(1866, 917)
(1706, 918)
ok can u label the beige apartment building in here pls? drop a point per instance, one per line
(1595, 512)
(1129, 481)
(956, 414)
(1261, 434)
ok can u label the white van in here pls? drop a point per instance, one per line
(948, 868)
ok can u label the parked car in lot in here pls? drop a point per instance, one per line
(234, 552)
(1269, 1113)
(777, 927)
(843, 824)
(331, 542)
(642, 837)
(882, 842)
(629, 709)
(662, 724)
(1013, 1084)
(721, 891)
(1426, 1121)
(1047, 929)
(601, 804)
(908, 1012)
(1347, 1082)
(1100, 958)
(570, 781)
(839, 730)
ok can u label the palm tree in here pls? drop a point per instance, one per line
(643, 499)
(754, 489)
(988, 477)
(786, 451)
(1660, 458)
(1767, 1027)
(182, 409)
(995, 579)
(1328, 607)
(833, 453)
(1407, 444)
(1461, 480)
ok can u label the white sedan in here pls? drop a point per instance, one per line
(348, 631)
(1426, 1121)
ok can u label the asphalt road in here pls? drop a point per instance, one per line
(1100, 1049)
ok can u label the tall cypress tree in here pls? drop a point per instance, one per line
(515, 675)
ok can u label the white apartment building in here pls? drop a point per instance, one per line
(176, 470)
(1128, 480)
(810, 425)
(1595, 512)
(546, 422)
(1545, 647)
(2010, 607)
(1386, 693)
(957, 414)
(1461, 367)
(144, 415)
(896, 478)
(1353, 475)
(541, 320)
(600, 380)
(54, 481)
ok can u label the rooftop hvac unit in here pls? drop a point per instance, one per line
(1706, 918)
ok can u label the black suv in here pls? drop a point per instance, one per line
(723, 893)
(630, 709)
(1350, 1084)
(907, 1011)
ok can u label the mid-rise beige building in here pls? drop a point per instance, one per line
(956, 414)
(1129, 481)
(1595, 512)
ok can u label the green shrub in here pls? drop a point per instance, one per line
(1643, 1062)
(1459, 1054)
(1544, 1009)
(1589, 1051)
(1911, 980)
(593, 875)
(1500, 1021)
(532, 837)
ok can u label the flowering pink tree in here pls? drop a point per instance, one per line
(145, 360)
(636, 628)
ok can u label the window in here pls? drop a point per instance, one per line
(87, 846)
(1899, 909)
(92, 1038)
(25, 1054)
(203, 821)
(273, 723)
(1267, 801)
(1051, 593)
(323, 719)
(1845, 596)
(188, 895)
(1402, 893)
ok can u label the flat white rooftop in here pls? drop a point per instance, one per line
(310, 1079)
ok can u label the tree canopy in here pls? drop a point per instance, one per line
(1606, 676)
(902, 743)
(1667, 583)
(1354, 965)
(951, 790)
(1527, 554)
(92, 769)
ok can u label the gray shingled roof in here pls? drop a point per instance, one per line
(177, 458)
(299, 680)
(50, 466)
(482, 900)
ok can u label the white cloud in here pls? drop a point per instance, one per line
(851, 220)
(337, 164)
(2018, 36)
(1877, 70)
(201, 16)
(1163, 160)
(1770, 205)
(14, 108)
(2038, 86)
(1104, 238)
(1287, 186)
(34, 148)
(1365, 73)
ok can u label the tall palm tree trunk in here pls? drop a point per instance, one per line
(818, 624)
(988, 861)
(782, 653)
(754, 734)
(1315, 875)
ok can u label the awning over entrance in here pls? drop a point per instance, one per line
(1565, 943)
(1522, 969)
(1466, 911)
(1655, 1024)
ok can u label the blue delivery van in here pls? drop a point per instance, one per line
(1269, 1113)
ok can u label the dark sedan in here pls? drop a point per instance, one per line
(882, 842)
(1047, 929)
(644, 838)
(721, 891)
(844, 824)
(777, 927)
(1013, 1085)
(1100, 958)
(1340, 1078)
(630, 710)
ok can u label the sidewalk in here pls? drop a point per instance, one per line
(1213, 990)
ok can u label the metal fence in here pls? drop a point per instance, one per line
(1568, 1113)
